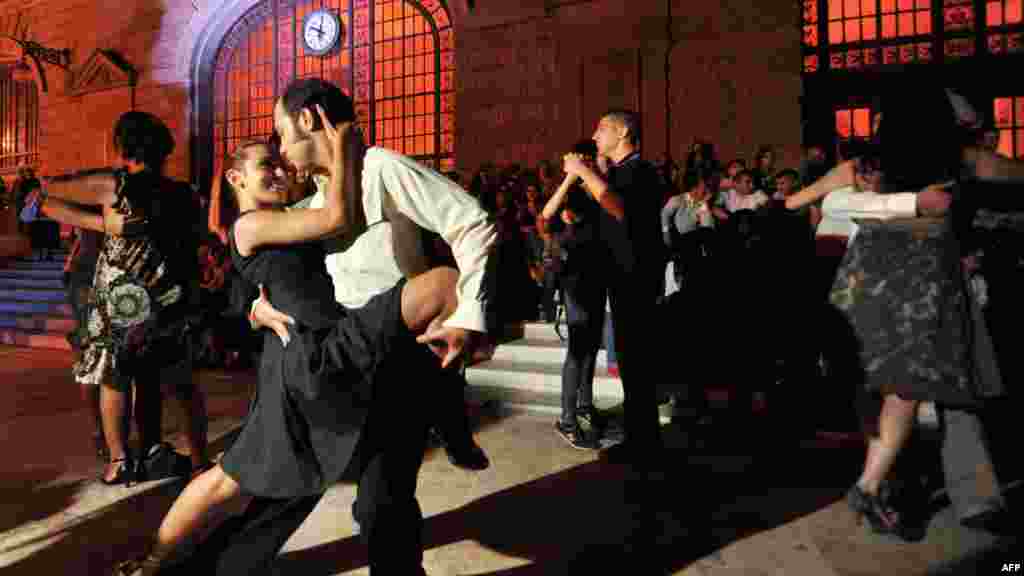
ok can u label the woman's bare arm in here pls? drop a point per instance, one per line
(95, 189)
(840, 176)
(71, 215)
(556, 200)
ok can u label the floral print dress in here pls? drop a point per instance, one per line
(127, 326)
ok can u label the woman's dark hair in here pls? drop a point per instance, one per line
(223, 198)
(309, 92)
(144, 138)
(919, 141)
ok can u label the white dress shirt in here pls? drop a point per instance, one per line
(735, 201)
(842, 205)
(370, 265)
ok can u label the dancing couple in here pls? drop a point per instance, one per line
(341, 390)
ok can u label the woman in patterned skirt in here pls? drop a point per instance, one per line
(143, 292)
(903, 313)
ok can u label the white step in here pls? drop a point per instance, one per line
(540, 352)
(38, 322)
(540, 332)
(34, 339)
(533, 383)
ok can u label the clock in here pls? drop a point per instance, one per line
(321, 32)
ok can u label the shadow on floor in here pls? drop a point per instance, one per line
(94, 542)
(576, 521)
(23, 500)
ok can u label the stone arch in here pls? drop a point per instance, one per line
(215, 30)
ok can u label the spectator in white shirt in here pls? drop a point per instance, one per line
(743, 196)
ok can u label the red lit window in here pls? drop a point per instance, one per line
(809, 19)
(1006, 21)
(397, 61)
(852, 21)
(1009, 120)
(906, 18)
(1002, 12)
(853, 123)
(19, 124)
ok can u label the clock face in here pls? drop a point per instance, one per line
(321, 31)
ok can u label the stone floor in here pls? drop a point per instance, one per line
(739, 507)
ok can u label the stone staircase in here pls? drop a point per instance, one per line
(34, 307)
(526, 373)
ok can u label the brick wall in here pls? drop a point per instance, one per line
(531, 80)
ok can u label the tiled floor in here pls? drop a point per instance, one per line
(542, 508)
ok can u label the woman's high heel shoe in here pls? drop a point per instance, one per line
(883, 519)
(125, 472)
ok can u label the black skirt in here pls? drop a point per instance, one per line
(312, 399)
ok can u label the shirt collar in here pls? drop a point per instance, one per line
(632, 156)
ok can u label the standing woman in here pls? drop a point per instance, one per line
(572, 215)
(143, 292)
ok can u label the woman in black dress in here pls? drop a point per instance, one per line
(314, 383)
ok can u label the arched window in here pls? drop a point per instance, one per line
(19, 123)
(396, 59)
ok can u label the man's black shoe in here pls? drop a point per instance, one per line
(468, 457)
(163, 462)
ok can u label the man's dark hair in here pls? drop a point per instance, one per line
(308, 92)
(629, 119)
(586, 148)
(143, 138)
(789, 172)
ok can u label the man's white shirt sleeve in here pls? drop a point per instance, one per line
(437, 204)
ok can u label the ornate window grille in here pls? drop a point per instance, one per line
(396, 59)
(19, 124)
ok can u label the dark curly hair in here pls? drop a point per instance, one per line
(142, 137)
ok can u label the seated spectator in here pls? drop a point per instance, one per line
(742, 196)
(682, 216)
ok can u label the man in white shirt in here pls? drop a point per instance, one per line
(743, 196)
(398, 199)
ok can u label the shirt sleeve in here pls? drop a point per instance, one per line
(848, 205)
(668, 214)
(437, 204)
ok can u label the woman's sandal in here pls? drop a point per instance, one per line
(148, 565)
(125, 472)
(881, 516)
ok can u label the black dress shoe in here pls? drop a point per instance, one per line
(468, 457)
